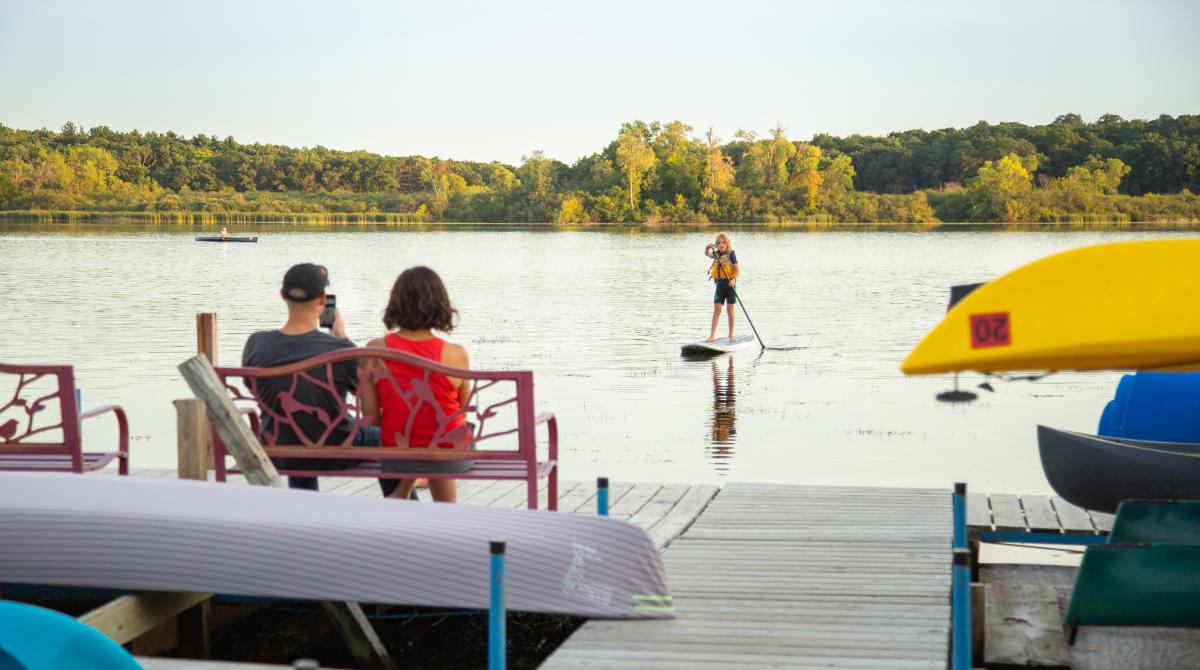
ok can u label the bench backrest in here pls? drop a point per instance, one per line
(494, 396)
(26, 428)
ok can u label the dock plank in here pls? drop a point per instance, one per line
(1006, 512)
(786, 577)
(1022, 627)
(979, 513)
(1039, 514)
(1074, 519)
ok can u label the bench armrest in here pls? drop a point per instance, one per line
(551, 422)
(122, 424)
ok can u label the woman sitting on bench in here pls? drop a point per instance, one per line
(419, 304)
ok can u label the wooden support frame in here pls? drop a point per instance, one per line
(351, 622)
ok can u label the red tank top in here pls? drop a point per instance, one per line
(437, 418)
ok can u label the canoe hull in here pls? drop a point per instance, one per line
(1102, 307)
(226, 239)
(1097, 473)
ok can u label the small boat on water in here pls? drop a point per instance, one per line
(218, 238)
(1097, 473)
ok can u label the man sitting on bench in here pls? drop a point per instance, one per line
(300, 338)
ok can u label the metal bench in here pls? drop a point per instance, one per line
(498, 397)
(29, 423)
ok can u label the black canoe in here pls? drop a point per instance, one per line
(1097, 473)
(218, 238)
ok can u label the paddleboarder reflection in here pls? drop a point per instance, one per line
(724, 416)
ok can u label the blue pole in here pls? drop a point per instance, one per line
(496, 634)
(961, 610)
(602, 496)
(79, 409)
(960, 515)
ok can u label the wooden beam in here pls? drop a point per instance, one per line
(234, 432)
(351, 622)
(1023, 627)
(129, 616)
(206, 335)
(191, 427)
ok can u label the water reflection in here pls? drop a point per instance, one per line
(723, 429)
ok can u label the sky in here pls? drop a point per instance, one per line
(496, 80)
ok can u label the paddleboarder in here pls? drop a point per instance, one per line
(724, 271)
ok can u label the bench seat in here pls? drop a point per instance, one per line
(92, 461)
(489, 469)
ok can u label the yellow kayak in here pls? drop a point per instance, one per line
(1127, 305)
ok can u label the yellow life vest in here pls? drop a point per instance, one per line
(722, 266)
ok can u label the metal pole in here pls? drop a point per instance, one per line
(961, 610)
(602, 496)
(960, 515)
(496, 633)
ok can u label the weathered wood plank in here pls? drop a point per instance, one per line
(1023, 627)
(979, 513)
(1006, 512)
(1074, 519)
(1039, 514)
(1102, 521)
(129, 616)
(681, 515)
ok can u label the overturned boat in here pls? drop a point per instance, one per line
(1097, 473)
(173, 535)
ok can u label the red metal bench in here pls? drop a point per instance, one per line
(24, 420)
(498, 397)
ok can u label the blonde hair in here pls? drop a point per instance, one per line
(728, 242)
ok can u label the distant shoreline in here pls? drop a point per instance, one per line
(386, 220)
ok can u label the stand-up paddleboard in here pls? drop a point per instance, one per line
(722, 345)
(1124, 305)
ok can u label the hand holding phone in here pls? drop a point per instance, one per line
(327, 315)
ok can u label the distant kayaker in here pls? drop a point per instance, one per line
(224, 233)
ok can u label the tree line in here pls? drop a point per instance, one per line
(1111, 169)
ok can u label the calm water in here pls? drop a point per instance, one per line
(599, 316)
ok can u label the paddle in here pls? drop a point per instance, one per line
(738, 298)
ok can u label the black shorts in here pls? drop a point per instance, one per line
(724, 293)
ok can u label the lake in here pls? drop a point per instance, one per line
(599, 316)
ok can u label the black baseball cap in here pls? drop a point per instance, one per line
(304, 282)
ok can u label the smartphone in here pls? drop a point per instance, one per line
(327, 313)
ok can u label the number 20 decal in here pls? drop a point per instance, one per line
(990, 330)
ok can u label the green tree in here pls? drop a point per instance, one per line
(635, 158)
(999, 186)
(718, 173)
(806, 178)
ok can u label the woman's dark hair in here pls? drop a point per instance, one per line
(419, 301)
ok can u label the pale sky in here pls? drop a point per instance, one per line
(495, 80)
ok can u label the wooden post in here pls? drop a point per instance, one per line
(192, 434)
(206, 343)
(193, 437)
(351, 622)
(206, 335)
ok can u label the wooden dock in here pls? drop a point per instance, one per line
(1006, 512)
(763, 575)
(796, 577)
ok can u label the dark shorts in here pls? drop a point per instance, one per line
(426, 466)
(724, 294)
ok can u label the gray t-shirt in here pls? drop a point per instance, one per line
(270, 348)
